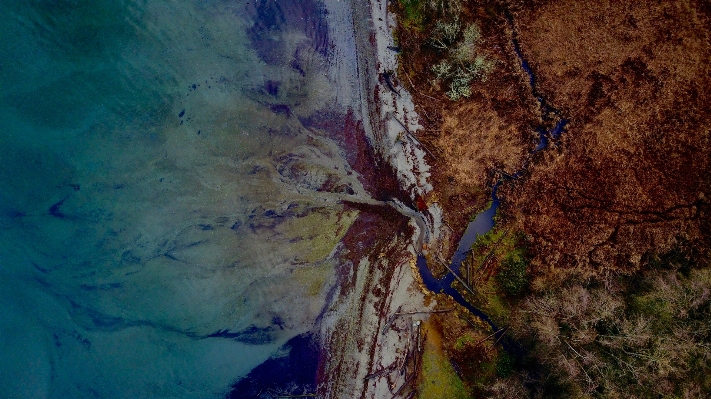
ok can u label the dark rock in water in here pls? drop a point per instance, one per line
(13, 214)
(129, 257)
(256, 169)
(252, 335)
(41, 269)
(222, 219)
(76, 187)
(292, 374)
(57, 340)
(180, 115)
(277, 321)
(81, 339)
(272, 87)
(54, 209)
(295, 64)
(281, 109)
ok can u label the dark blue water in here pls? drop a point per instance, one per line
(526, 68)
(548, 112)
(544, 136)
(292, 372)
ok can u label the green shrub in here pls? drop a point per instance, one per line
(443, 70)
(513, 275)
(413, 14)
(462, 63)
(480, 67)
(445, 34)
(504, 365)
(416, 13)
(465, 51)
(472, 35)
(445, 7)
(460, 86)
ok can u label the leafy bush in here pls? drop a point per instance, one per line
(465, 51)
(416, 13)
(504, 365)
(463, 63)
(513, 275)
(445, 7)
(442, 70)
(472, 35)
(480, 67)
(460, 86)
(413, 13)
(445, 34)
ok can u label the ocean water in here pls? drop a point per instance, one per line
(170, 196)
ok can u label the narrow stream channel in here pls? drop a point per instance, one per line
(484, 221)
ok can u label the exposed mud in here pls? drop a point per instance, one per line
(376, 174)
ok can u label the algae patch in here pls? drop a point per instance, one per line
(315, 235)
(438, 379)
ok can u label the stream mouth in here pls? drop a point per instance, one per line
(178, 181)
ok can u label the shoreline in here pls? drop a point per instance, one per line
(358, 339)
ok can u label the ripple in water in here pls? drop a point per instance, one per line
(166, 219)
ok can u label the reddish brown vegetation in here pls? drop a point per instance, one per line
(615, 213)
(633, 172)
(470, 139)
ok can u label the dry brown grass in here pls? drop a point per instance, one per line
(633, 172)
(470, 138)
(630, 177)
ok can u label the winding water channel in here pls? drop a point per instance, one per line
(484, 221)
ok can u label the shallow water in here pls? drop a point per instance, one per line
(167, 221)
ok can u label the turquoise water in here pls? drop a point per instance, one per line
(157, 187)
